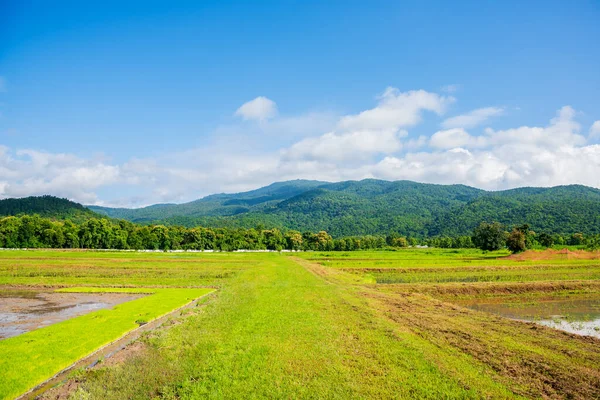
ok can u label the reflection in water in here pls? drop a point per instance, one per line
(24, 310)
(575, 315)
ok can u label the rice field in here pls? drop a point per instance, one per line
(328, 325)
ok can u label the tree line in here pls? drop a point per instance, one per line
(34, 231)
(495, 236)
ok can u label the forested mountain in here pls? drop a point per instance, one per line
(213, 205)
(46, 206)
(380, 207)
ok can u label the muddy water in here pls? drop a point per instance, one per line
(580, 315)
(25, 310)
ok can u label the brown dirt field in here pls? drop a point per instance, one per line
(61, 392)
(481, 289)
(551, 254)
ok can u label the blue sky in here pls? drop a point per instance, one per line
(132, 104)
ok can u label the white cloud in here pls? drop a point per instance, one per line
(413, 144)
(456, 137)
(595, 130)
(472, 118)
(375, 131)
(562, 131)
(31, 172)
(259, 109)
(374, 143)
(355, 145)
(523, 156)
(396, 109)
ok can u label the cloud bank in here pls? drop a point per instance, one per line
(377, 142)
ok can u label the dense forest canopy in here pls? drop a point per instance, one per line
(33, 231)
(376, 207)
(47, 206)
(358, 207)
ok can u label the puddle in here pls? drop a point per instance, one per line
(575, 315)
(25, 310)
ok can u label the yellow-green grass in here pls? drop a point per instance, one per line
(411, 266)
(79, 268)
(300, 327)
(414, 258)
(29, 359)
(278, 331)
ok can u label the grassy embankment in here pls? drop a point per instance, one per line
(315, 325)
(29, 359)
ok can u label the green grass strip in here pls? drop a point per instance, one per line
(33, 357)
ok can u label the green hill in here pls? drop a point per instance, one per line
(46, 206)
(380, 207)
(213, 205)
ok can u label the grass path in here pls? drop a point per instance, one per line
(279, 330)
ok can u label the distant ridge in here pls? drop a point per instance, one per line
(46, 206)
(375, 206)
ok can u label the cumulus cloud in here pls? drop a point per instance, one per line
(374, 143)
(259, 109)
(371, 132)
(473, 118)
(595, 130)
(562, 131)
(523, 156)
(32, 172)
(355, 145)
(456, 137)
(396, 109)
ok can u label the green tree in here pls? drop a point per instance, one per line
(545, 240)
(489, 236)
(593, 243)
(398, 242)
(516, 241)
(576, 239)
(294, 240)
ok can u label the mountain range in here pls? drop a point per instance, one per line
(378, 207)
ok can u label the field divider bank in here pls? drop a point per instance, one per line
(30, 360)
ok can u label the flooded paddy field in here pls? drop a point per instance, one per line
(23, 310)
(579, 314)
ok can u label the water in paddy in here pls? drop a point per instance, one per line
(579, 315)
(24, 310)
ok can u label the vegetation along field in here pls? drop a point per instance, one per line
(368, 324)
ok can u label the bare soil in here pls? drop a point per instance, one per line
(551, 254)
